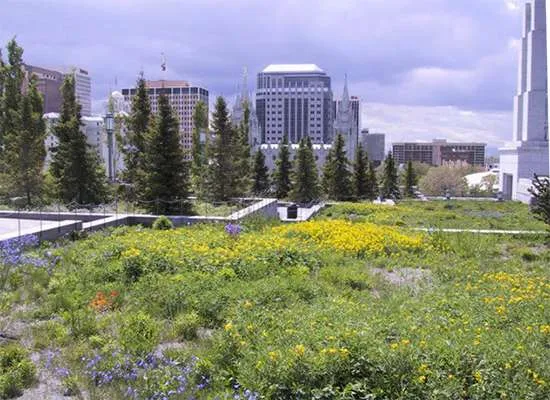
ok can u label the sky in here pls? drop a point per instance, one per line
(424, 69)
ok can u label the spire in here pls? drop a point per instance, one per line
(345, 95)
(244, 88)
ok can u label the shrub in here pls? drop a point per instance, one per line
(49, 333)
(186, 325)
(82, 323)
(163, 223)
(17, 372)
(139, 333)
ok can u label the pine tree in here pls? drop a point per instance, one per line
(390, 185)
(372, 183)
(283, 171)
(27, 150)
(198, 149)
(338, 175)
(328, 174)
(242, 158)
(410, 180)
(12, 82)
(221, 173)
(305, 186)
(135, 141)
(75, 167)
(260, 180)
(360, 173)
(541, 197)
(167, 175)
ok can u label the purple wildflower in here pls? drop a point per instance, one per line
(233, 230)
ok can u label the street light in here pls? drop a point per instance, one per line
(110, 127)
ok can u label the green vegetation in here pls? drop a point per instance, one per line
(17, 372)
(343, 307)
(464, 214)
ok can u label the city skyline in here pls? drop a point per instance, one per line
(447, 69)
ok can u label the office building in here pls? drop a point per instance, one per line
(183, 98)
(294, 100)
(271, 153)
(48, 83)
(528, 153)
(439, 152)
(374, 145)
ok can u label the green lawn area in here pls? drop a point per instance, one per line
(466, 214)
(336, 308)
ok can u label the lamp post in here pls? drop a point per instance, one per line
(109, 127)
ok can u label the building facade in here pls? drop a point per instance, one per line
(438, 152)
(271, 153)
(527, 153)
(48, 83)
(294, 100)
(374, 145)
(183, 98)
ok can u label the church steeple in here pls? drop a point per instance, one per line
(345, 95)
(244, 88)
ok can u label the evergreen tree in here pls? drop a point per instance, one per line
(372, 183)
(260, 181)
(136, 138)
(410, 180)
(305, 186)
(360, 173)
(76, 167)
(221, 169)
(541, 197)
(198, 150)
(12, 82)
(390, 185)
(242, 158)
(328, 174)
(283, 171)
(27, 151)
(338, 176)
(167, 175)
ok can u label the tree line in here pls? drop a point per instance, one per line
(220, 166)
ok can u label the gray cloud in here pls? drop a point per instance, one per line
(400, 52)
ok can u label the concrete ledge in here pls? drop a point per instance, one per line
(49, 231)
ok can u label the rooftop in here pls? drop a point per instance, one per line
(167, 84)
(290, 68)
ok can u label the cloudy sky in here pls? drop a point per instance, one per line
(423, 68)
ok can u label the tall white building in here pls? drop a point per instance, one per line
(182, 97)
(528, 153)
(294, 100)
(82, 88)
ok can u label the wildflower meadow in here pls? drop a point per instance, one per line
(354, 304)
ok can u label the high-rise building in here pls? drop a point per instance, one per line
(527, 154)
(346, 120)
(294, 100)
(83, 89)
(182, 97)
(48, 82)
(439, 152)
(374, 145)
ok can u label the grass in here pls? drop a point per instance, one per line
(466, 214)
(298, 311)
